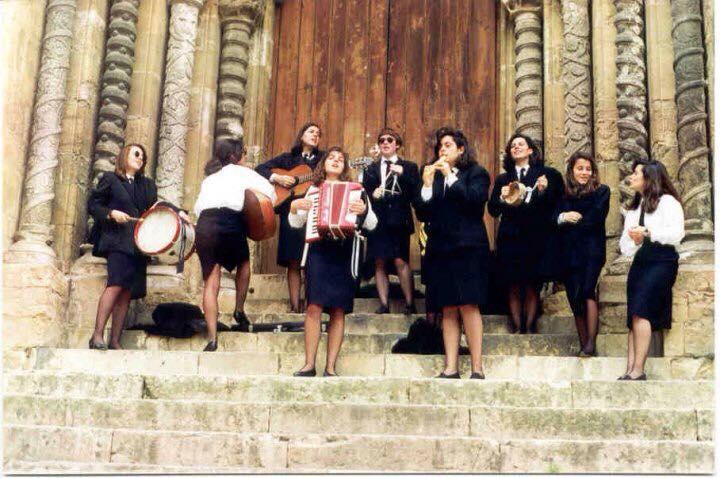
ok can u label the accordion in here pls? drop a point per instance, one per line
(330, 215)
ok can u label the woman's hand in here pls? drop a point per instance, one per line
(284, 180)
(378, 193)
(637, 234)
(443, 166)
(542, 183)
(504, 192)
(396, 168)
(572, 217)
(428, 175)
(119, 216)
(357, 207)
(301, 204)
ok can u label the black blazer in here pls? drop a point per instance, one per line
(584, 241)
(394, 211)
(527, 221)
(454, 217)
(110, 193)
(287, 160)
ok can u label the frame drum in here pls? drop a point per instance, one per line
(160, 233)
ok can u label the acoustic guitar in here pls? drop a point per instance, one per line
(303, 180)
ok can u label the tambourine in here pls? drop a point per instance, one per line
(518, 192)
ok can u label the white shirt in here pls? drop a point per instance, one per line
(523, 168)
(666, 225)
(226, 188)
(299, 218)
(384, 168)
(427, 191)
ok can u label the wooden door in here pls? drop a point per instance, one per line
(355, 66)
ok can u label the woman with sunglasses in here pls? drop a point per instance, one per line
(117, 201)
(291, 241)
(392, 184)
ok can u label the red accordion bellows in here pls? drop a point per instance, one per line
(334, 218)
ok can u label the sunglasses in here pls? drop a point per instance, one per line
(138, 154)
(387, 139)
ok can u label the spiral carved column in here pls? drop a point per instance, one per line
(527, 20)
(576, 72)
(34, 234)
(690, 96)
(631, 89)
(176, 99)
(238, 21)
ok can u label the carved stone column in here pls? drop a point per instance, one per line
(34, 234)
(77, 139)
(606, 113)
(553, 85)
(577, 77)
(176, 99)
(238, 18)
(694, 168)
(115, 93)
(143, 115)
(506, 84)
(631, 90)
(527, 20)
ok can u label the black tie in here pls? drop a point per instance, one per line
(307, 157)
(522, 174)
(130, 180)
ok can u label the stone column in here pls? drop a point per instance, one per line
(506, 84)
(527, 20)
(20, 60)
(631, 91)
(709, 30)
(606, 113)
(238, 20)
(172, 146)
(34, 234)
(577, 77)
(143, 113)
(553, 87)
(661, 84)
(694, 168)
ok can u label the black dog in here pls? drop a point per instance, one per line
(424, 338)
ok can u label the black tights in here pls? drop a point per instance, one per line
(114, 300)
(516, 303)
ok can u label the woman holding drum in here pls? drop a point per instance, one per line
(221, 232)
(116, 203)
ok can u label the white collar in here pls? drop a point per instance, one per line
(129, 177)
(393, 159)
(520, 168)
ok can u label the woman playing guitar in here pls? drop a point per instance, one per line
(286, 172)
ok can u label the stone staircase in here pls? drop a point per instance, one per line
(161, 406)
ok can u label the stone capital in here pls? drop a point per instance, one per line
(241, 9)
(193, 3)
(515, 7)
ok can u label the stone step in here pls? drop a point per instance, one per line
(261, 306)
(23, 467)
(418, 391)
(360, 418)
(527, 368)
(325, 452)
(613, 289)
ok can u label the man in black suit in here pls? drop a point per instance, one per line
(392, 184)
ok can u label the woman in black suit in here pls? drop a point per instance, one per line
(392, 184)
(291, 241)
(580, 216)
(524, 228)
(120, 197)
(452, 203)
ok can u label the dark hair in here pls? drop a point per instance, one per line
(390, 132)
(319, 174)
(574, 188)
(297, 146)
(122, 159)
(535, 157)
(657, 183)
(227, 151)
(467, 158)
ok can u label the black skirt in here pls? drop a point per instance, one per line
(129, 272)
(458, 277)
(221, 238)
(387, 242)
(520, 258)
(581, 284)
(649, 285)
(291, 242)
(328, 278)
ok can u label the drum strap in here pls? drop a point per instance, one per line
(358, 253)
(305, 253)
(183, 244)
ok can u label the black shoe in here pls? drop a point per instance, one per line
(452, 375)
(478, 375)
(242, 323)
(383, 309)
(110, 347)
(211, 346)
(512, 328)
(624, 376)
(96, 346)
(410, 309)
(642, 376)
(328, 374)
(533, 328)
(305, 373)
